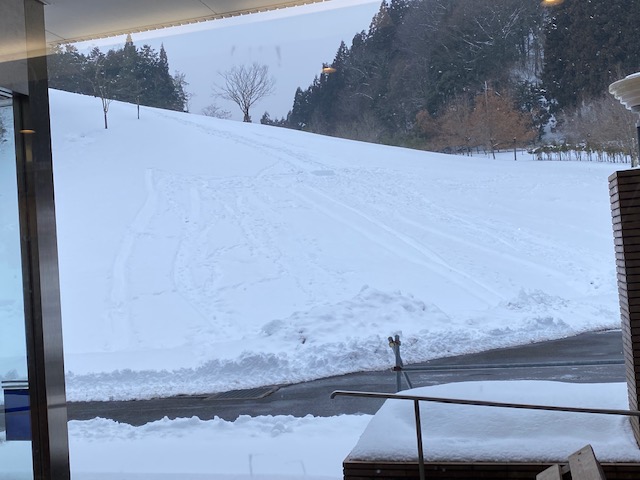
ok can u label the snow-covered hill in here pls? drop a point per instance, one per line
(199, 254)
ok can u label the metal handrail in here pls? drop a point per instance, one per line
(401, 370)
(489, 366)
(482, 403)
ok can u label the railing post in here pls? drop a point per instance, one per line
(416, 409)
(394, 343)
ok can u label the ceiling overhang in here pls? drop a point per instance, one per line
(69, 21)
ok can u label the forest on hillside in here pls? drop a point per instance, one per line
(458, 75)
(446, 75)
(129, 74)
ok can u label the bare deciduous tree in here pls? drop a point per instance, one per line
(245, 85)
(497, 124)
(366, 128)
(601, 124)
(452, 130)
(490, 121)
(215, 111)
(103, 79)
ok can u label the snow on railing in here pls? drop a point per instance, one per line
(416, 399)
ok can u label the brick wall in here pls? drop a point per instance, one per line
(624, 189)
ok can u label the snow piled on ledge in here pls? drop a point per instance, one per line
(461, 433)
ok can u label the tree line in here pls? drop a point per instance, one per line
(129, 74)
(463, 74)
(588, 45)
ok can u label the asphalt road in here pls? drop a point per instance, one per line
(314, 397)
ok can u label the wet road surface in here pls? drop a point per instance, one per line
(314, 397)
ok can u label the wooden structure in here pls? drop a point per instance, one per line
(624, 189)
(356, 470)
(583, 465)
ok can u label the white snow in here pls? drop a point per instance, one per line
(200, 255)
(264, 448)
(489, 434)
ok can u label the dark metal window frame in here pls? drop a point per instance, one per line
(38, 241)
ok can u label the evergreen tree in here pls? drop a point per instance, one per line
(164, 61)
(278, 122)
(327, 93)
(130, 78)
(300, 115)
(416, 56)
(147, 68)
(182, 97)
(588, 45)
(531, 97)
(165, 89)
(67, 70)
(139, 76)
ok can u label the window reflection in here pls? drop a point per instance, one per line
(15, 449)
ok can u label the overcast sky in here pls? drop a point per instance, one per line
(293, 43)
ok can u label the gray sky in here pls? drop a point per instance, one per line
(292, 42)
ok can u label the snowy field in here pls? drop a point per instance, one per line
(201, 255)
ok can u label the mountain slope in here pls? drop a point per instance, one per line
(199, 254)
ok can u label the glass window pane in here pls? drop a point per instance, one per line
(15, 446)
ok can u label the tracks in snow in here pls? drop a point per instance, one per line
(271, 237)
